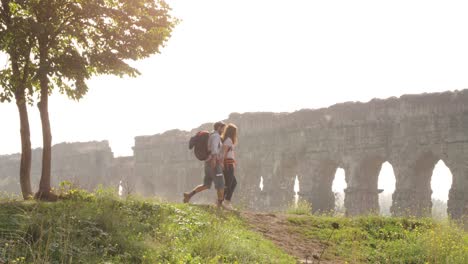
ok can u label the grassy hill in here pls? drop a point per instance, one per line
(374, 239)
(101, 228)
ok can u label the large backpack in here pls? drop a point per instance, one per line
(200, 142)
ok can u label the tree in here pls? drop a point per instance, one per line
(79, 39)
(16, 79)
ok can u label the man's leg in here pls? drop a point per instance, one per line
(199, 188)
(220, 197)
(219, 184)
(207, 181)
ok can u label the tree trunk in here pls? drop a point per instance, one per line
(44, 192)
(25, 166)
(45, 189)
(19, 83)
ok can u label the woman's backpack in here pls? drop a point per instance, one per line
(200, 144)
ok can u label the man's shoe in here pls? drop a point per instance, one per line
(187, 197)
(219, 204)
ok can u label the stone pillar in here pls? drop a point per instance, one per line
(316, 184)
(361, 201)
(361, 196)
(411, 202)
(248, 172)
(278, 171)
(285, 170)
(412, 196)
(457, 204)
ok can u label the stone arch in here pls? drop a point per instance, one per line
(441, 183)
(386, 192)
(338, 190)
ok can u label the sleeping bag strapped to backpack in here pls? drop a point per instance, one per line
(200, 142)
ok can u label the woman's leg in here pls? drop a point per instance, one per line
(233, 186)
(230, 182)
(227, 180)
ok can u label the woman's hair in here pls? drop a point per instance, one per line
(230, 132)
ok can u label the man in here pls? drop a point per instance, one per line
(213, 166)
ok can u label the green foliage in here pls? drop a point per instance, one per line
(17, 42)
(68, 41)
(79, 39)
(98, 227)
(375, 239)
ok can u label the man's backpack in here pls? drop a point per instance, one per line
(200, 142)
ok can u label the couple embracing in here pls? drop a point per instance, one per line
(219, 164)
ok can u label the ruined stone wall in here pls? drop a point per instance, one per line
(164, 166)
(123, 172)
(412, 133)
(84, 164)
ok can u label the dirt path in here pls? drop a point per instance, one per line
(275, 228)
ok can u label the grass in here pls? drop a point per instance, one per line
(101, 228)
(376, 239)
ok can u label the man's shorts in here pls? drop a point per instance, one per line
(213, 175)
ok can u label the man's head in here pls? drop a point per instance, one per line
(219, 126)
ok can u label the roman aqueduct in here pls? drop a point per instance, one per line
(412, 133)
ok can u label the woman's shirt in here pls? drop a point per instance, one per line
(230, 146)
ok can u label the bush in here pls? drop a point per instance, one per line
(302, 207)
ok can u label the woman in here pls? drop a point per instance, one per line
(229, 139)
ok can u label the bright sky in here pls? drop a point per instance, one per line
(265, 55)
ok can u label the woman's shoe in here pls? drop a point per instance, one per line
(227, 204)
